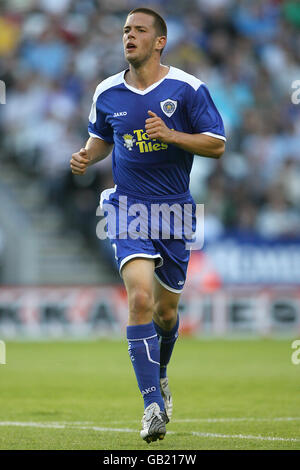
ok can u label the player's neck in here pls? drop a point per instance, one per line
(144, 76)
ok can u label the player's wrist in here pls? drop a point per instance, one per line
(89, 157)
(92, 155)
(173, 137)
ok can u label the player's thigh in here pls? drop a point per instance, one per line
(138, 277)
(165, 304)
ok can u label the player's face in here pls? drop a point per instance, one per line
(139, 38)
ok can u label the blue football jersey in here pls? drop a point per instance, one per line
(149, 167)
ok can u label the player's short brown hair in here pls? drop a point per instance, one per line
(159, 22)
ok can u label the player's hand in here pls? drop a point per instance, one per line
(157, 129)
(79, 162)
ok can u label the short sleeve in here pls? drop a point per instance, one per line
(98, 126)
(205, 117)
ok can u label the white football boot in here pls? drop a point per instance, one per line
(167, 396)
(154, 423)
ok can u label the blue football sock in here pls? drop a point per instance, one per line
(143, 348)
(167, 341)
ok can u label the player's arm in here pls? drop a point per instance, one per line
(94, 151)
(197, 144)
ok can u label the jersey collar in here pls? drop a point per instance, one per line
(147, 90)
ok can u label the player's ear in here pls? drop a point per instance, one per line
(161, 42)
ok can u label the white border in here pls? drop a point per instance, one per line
(141, 255)
(141, 339)
(217, 136)
(175, 291)
(148, 353)
(96, 136)
(149, 88)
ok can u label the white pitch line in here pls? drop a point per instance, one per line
(63, 426)
(101, 429)
(232, 420)
(242, 436)
(29, 424)
(127, 430)
(220, 420)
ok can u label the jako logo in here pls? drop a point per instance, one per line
(148, 390)
(122, 113)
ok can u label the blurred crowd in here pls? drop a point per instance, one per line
(53, 53)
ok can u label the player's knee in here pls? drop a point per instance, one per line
(140, 302)
(166, 311)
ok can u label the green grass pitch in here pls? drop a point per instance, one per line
(228, 394)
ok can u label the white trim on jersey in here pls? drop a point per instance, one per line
(103, 86)
(95, 135)
(177, 74)
(217, 136)
(174, 74)
(149, 88)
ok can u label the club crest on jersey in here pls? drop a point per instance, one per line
(129, 140)
(168, 107)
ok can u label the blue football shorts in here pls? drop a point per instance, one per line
(143, 227)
